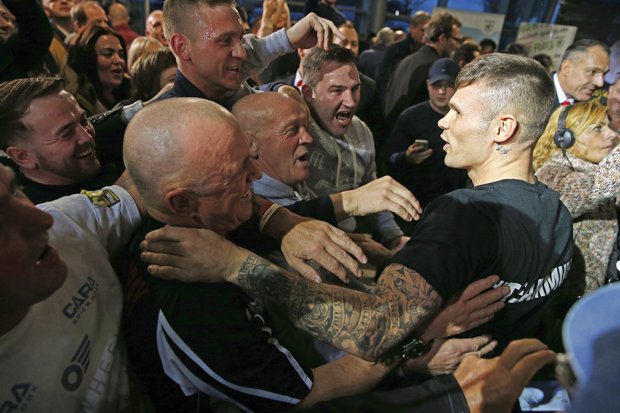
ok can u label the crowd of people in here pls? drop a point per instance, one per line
(211, 197)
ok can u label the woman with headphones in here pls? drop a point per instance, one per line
(577, 155)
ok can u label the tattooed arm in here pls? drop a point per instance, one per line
(359, 323)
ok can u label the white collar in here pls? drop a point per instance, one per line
(560, 92)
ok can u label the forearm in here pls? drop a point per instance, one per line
(347, 376)
(261, 51)
(361, 324)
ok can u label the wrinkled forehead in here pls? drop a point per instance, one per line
(340, 74)
(155, 17)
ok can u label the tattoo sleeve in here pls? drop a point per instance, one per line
(363, 324)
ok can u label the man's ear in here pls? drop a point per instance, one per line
(181, 202)
(565, 67)
(22, 157)
(506, 128)
(179, 44)
(306, 92)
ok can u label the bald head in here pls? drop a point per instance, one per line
(176, 143)
(118, 14)
(155, 27)
(279, 125)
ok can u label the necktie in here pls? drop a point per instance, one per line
(566, 103)
(299, 83)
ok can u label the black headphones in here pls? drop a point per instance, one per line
(564, 138)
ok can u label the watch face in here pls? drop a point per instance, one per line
(415, 348)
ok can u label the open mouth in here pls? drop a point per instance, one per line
(344, 116)
(84, 154)
(48, 254)
(303, 157)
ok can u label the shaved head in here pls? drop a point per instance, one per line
(279, 125)
(170, 142)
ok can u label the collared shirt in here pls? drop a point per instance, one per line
(558, 90)
(298, 80)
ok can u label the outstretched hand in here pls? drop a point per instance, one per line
(446, 355)
(181, 254)
(473, 307)
(330, 247)
(493, 385)
(312, 31)
(382, 194)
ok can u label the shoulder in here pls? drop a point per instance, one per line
(415, 110)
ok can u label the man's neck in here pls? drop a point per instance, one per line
(64, 24)
(517, 167)
(217, 96)
(44, 178)
(435, 46)
(170, 219)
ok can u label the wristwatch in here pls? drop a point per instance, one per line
(414, 348)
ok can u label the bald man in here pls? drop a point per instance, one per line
(279, 125)
(119, 20)
(155, 27)
(212, 339)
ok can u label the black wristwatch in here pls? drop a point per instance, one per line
(415, 348)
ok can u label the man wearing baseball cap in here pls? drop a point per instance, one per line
(415, 154)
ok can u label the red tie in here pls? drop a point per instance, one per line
(566, 103)
(299, 83)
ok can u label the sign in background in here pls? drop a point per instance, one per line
(551, 39)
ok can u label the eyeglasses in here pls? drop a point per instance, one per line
(458, 39)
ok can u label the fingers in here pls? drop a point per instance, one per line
(339, 260)
(161, 259)
(169, 273)
(517, 349)
(478, 286)
(486, 349)
(344, 242)
(383, 194)
(168, 247)
(469, 345)
(305, 270)
(527, 367)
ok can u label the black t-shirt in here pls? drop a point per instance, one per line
(516, 230)
(214, 339)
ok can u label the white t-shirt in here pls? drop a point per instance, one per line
(66, 355)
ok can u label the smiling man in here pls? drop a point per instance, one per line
(214, 57)
(50, 139)
(58, 306)
(583, 66)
